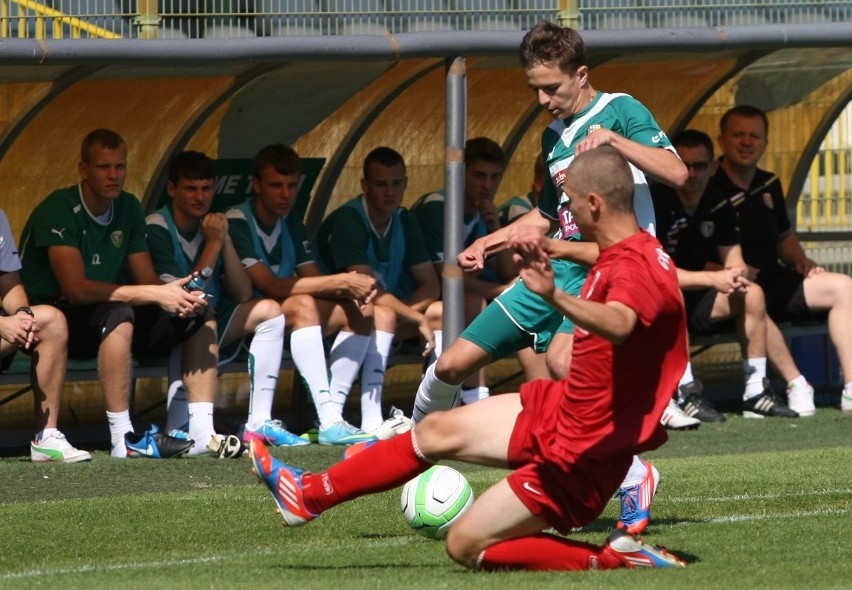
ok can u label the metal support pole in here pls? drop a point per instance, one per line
(147, 19)
(456, 123)
(569, 13)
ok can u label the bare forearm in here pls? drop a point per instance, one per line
(401, 309)
(584, 253)
(598, 318)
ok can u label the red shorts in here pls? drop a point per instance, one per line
(563, 489)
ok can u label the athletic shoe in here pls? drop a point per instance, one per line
(55, 447)
(801, 399)
(226, 446)
(766, 404)
(396, 424)
(342, 433)
(178, 433)
(155, 444)
(284, 482)
(353, 450)
(675, 419)
(846, 400)
(695, 405)
(636, 502)
(272, 432)
(633, 552)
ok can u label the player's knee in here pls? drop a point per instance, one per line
(300, 311)
(461, 548)
(384, 318)
(450, 369)
(267, 309)
(52, 324)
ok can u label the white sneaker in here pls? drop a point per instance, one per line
(676, 419)
(55, 447)
(846, 400)
(801, 399)
(396, 424)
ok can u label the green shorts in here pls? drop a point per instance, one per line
(519, 318)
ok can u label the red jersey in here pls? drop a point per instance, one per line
(615, 394)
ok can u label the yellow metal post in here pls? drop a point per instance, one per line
(569, 13)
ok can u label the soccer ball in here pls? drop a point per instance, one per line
(434, 500)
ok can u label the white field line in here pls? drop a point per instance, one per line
(243, 555)
(734, 518)
(744, 497)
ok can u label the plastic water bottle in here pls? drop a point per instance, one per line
(199, 279)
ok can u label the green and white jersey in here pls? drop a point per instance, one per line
(514, 208)
(282, 247)
(176, 253)
(622, 114)
(62, 219)
(347, 238)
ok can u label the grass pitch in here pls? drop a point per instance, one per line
(748, 503)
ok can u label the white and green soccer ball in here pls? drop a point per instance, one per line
(435, 499)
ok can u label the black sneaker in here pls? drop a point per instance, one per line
(155, 444)
(695, 405)
(767, 404)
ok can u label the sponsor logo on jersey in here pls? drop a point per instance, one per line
(117, 238)
(767, 200)
(96, 259)
(559, 177)
(58, 232)
(659, 137)
(528, 487)
(707, 228)
(593, 128)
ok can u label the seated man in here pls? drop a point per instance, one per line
(796, 287)
(84, 251)
(521, 204)
(484, 164)
(40, 332)
(273, 248)
(698, 229)
(184, 238)
(372, 234)
(568, 443)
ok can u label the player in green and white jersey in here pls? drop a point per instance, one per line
(374, 235)
(274, 249)
(556, 70)
(184, 237)
(84, 251)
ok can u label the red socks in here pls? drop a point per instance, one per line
(546, 552)
(385, 465)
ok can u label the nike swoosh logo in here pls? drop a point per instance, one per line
(529, 488)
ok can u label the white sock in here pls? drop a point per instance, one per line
(176, 399)
(687, 375)
(635, 474)
(344, 361)
(200, 426)
(799, 381)
(373, 379)
(264, 364)
(41, 435)
(439, 342)
(309, 357)
(755, 372)
(433, 395)
(470, 395)
(119, 425)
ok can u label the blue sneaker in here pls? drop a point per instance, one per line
(636, 502)
(343, 433)
(284, 482)
(272, 432)
(633, 552)
(155, 444)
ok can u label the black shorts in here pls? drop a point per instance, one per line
(785, 297)
(155, 331)
(699, 307)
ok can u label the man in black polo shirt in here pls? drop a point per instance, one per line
(698, 228)
(796, 287)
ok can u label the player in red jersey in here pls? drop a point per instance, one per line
(569, 443)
